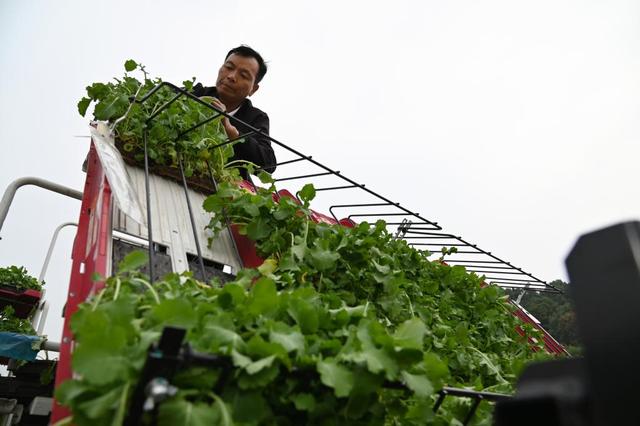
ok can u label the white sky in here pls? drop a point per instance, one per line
(511, 123)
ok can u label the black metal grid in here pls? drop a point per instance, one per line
(344, 198)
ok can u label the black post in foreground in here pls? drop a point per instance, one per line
(601, 389)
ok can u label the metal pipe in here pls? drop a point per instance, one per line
(10, 192)
(47, 258)
(48, 345)
(195, 126)
(304, 176)
(40, 315)
(226, 219)
(148, 200)
(282, 164)
(163, 107)
(474, 407)
(193, 221)
(331, 188)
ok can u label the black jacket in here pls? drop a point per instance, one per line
(256, 148)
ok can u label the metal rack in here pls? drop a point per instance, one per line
(349, 200)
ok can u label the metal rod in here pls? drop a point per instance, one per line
(495, 272)
(514, 280)
(202, 123)
(13, 187)
(305, 176)
(491, 268)
(469, 252)
(331, 188)
(226, 218)
(163, 107)
(438, 244)
(40, 315)
(377, 214)
(474, 407)
(401, 224)
(48, 345)
(329, 171)
(52, 244)
(192, 219)
(281, 164)
(443, 395)
(148, 200)
(489, 396)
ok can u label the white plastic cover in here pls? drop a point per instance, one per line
(113, 165)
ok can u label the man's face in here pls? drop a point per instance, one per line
(237, 78)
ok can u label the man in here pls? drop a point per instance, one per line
(239, 78)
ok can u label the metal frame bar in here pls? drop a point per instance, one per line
(40, 315)
(407, 230)
(477, 397)
(13, 187)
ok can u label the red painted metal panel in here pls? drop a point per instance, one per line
(89, 256)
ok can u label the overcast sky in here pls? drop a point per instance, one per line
(511, 123)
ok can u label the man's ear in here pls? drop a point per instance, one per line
(255, 89)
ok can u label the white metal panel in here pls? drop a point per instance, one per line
(171, 223)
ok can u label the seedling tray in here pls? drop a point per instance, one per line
(23, 302)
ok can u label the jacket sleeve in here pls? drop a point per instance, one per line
(198, 90)
(257, 148)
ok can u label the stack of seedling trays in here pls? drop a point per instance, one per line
(18, 302)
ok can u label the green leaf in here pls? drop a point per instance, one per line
(130, 65)
(133, 261)
(103, 405)
(180, 412)
(410, 334)
(102, 361)
(336, 376)
(265, 177)
(304, 314)
(108, 109)
(97, 91)
(215, 335)
(225, 416)
(71, 390)
(213, 204)
(176, 312)
(240, 360)
(307, 193)
(419, 384)
(323, 259)
(304, 402)
(249, 407)
(259, 229)
(264, 297)
(259, 365)
(83, 105)
(268, 267)
(291, 340)
(435, 368)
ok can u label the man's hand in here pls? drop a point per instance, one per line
(229, 129)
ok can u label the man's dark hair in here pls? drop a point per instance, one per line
(247, 52)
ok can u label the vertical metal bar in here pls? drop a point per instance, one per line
(193, 222)
(148, 200)
(443, 395)
(40, 315)
(226, 218)
(474, 407)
